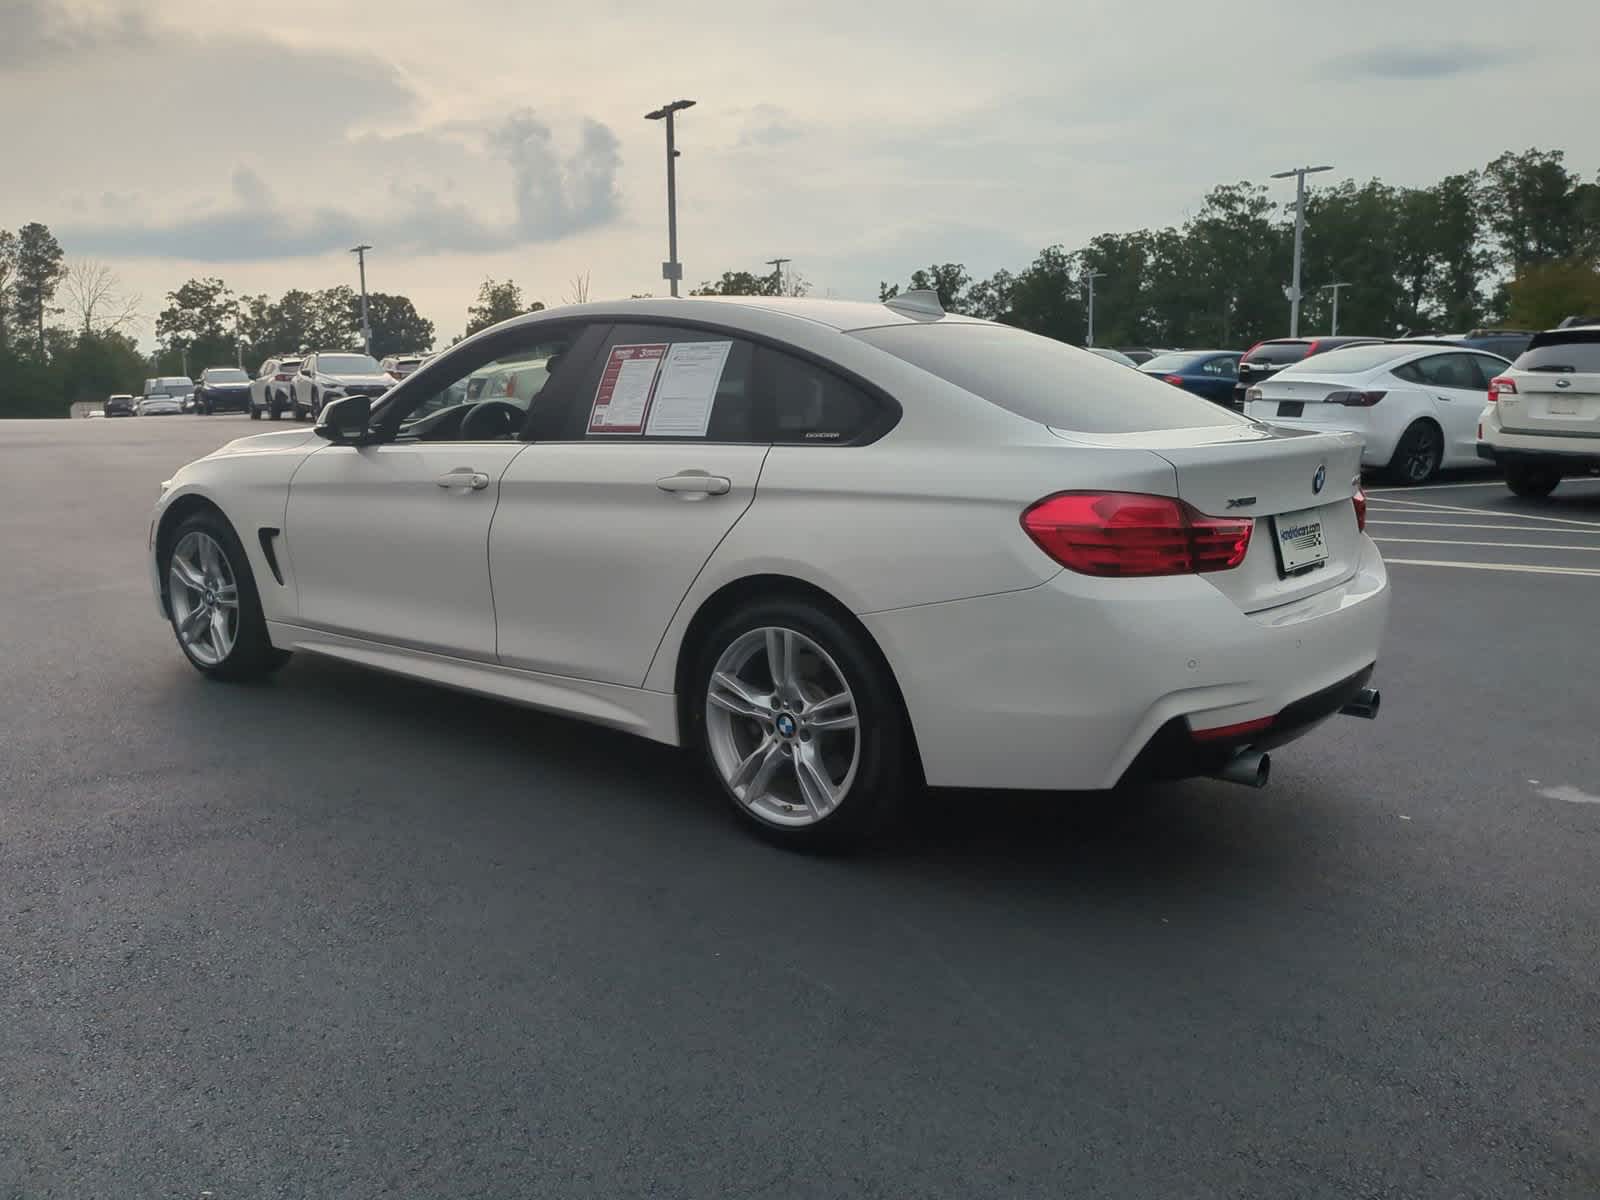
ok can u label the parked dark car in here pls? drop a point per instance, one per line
(1208, 373)
(222, 389)
(120, 405)
(1266, 359)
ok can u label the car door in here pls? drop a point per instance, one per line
(1456, 388)
(389, 542)
(603, 527)
(1218, 378)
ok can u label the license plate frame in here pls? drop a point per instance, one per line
(1304, 548)
(1291, 408)
(1564, 406)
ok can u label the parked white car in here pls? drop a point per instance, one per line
(1414, 405)
(833, 548)
(326, 376)
(1542, 422)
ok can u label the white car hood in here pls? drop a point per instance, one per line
(264, 443)
(361, 380)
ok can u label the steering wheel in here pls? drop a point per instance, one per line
(489, 420)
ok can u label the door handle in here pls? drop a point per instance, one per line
(694, 484)
(463, 477)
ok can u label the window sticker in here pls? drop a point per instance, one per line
(686, 389)
(626, 384)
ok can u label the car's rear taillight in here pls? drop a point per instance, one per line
(1360, 501)
(1174, 380)
(1501, 386)
(1312, 348)
(280, 378)
(1355, 399)
(1126, 534)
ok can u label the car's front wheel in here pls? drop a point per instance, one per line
(212, 602)
(1535, 483)
(799, 720)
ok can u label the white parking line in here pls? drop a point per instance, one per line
(1496, 545)
(1470, 525)
(1525, 569)
(1434, 487)
(1478, 512)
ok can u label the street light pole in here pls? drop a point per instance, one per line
(366, 328)
(777, 274)
(1091, 276)
(672, 269)
(1299, 174)
(1334, 288)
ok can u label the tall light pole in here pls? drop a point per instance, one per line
(1090, 277)
(1334, 288)
(672, 269)
(366, 328)
(777, 274)
(1299, 174)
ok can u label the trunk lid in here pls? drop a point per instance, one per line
(1267, 474)
(1558, 386)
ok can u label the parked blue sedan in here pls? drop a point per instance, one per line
(1208, 373)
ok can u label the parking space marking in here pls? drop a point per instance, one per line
(1434, 487)
(1496, 545)
(1522, 568)
(1456, 510)
(1466, 525)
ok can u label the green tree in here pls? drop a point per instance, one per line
(739, 283)
(1046, 297)
(498, 302)
(8, 279)
(397, 327)
(1536, 208)
(38, 274)
(201, 323)
(1545, 294)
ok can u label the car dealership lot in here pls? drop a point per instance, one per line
(340, 933)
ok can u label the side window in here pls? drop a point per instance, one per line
(1449, 371)
(1409, 372)
(810, 404)
(1488, 369)
(655, 382)
(489, 400)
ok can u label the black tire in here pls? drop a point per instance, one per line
(255, 413)
(886, 768)
(1418, 455)
(1533, 483)
(253, 655)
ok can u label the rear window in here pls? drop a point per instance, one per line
(1173, 362)
(1562, 353)
(1352, 360)
(1045, 380)
(1278, 352)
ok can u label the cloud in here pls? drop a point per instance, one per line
(765, 126)
(35, 33)
(554, 195)
(1411, 61)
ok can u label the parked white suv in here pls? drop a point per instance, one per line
(1542, 422)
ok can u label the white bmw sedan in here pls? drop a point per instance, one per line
(1414, 405)
(835, 549)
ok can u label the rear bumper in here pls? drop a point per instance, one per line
(1567, 462)
(228, 402)
(1067, 685)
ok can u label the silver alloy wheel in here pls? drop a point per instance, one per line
(204, 597)
(782, 726)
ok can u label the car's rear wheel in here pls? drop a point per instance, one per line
(801, 724)
(213, 605)
(1418, 455)
(1535, 483)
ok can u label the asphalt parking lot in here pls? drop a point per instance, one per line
(341, 935)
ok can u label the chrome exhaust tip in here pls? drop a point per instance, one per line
(1365, 704)
(1248, 767)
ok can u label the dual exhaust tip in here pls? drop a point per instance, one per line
(1253, 768)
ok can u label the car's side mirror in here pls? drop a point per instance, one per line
(344, 421)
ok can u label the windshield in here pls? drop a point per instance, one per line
(1046, 380)
(347, 364)
(1353, 360)
(1278, 352)
(227, 376)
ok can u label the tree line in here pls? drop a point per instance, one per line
(1515, 243)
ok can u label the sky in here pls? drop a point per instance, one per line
(506, 138)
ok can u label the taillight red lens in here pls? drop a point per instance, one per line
(1126, 534)
(281, 378)
(1355, 399)
(1174, 380)
(1360, 501)
(1501, 386)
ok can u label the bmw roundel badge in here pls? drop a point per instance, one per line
(1320, 478)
